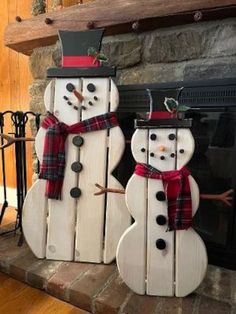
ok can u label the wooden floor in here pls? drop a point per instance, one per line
(9, 216)
(19, 298)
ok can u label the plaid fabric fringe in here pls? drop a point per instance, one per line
(178, 194)
(53, 165)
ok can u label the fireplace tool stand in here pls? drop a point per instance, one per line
(18, 140)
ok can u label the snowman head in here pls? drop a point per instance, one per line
(162, 141)
(100, 95)
(82, 87)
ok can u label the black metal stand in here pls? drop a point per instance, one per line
(20, 120)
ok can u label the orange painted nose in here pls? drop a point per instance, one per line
(78, 95)
(162, 148)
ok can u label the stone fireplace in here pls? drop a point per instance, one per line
(191, 52)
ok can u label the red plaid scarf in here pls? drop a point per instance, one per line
(53, 165)
(178, 194)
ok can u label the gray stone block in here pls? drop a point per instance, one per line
(37, 105)
(123, 51)
(40, 60)
(174, 46)
(217, 68)
(57, 54)
(224, 42)
(156, 73)
(37, 88)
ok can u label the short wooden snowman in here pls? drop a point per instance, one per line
(78, 144)
(160, 254)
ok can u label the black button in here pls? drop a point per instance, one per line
(70, 87)
(153, 137)
(161, 220)
(152, 154)
(160, 244)
(143, 150)
(91, 88)
(78, 141)
(160, 196)
(172, 155)
(181, 151)
(162, 157)
(75, 192)
(76, 166)
(171, 136)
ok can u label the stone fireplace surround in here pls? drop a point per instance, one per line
(198, 51)
(191, 52)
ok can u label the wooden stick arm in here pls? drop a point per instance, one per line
(225, 197)
(11, 140)
(107, 190)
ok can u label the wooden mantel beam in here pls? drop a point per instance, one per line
(115, 16)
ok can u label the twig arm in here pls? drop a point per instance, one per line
(11, 140)
(107, 190)
(225, 197)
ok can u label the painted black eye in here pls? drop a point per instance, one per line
(162, 157)
(91, 87)
(70, 87)
(143, 150)
(153, 137)
(172, 136)
(181, 151)
(172, 155)
(152, 155)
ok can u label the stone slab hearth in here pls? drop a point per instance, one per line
(99, 289)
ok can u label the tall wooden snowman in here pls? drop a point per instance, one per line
(78, 144)
(160, 254)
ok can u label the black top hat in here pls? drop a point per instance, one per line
(159, 116)
(76, 60)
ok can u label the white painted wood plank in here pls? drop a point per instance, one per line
(62, 214)
(185, 141)
(194, 194)
(49, 96)
(35, 208)
(34, 218)
(131, 250)
(139, 146)
(39, 143)
(160, 263)
(114, 96)
(162, 142)
(191, 256)
(93, 156)
(117, 215)
(191, 261)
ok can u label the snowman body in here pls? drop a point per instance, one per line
(81, 228)
(145, 267)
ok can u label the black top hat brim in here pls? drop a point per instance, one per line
(102, 71)
(163, 123)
